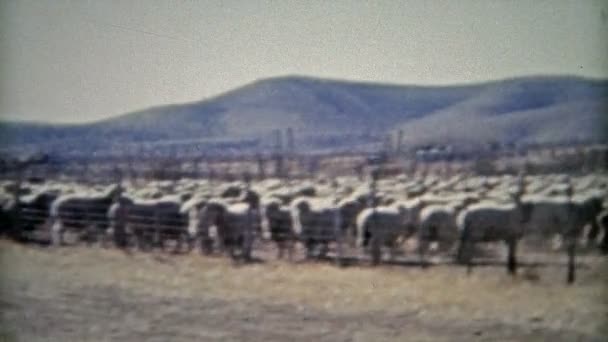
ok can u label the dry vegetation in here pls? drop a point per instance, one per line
(84, 294)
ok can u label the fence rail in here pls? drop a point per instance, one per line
(95, 169)
(327, 235)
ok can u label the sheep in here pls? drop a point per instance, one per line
(149, 221)
(592, 205)
(117, 217)
(81, 211)
(235, 224)
(438, 223)
(316, 223)
(536, 215)
(559, 189)
(602, 221)
(549, 215)
(279, 225)
(384, 225)
(22, 213)
(7, 210)
(489, 222)
(196, 229)
(25, 207)
(230, 190)
(288, 193)
(565, 217)
(350, 207)
(307, 190)
(415, 191)
(33, 210)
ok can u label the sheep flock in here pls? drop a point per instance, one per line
(424, 217)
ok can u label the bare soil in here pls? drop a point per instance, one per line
(93, 294)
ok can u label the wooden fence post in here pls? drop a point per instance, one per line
(248, 243)
(375, 248)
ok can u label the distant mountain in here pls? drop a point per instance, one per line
(527, 110)
(330, 113)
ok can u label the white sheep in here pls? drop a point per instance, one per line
(385, 225)
(489, 222)
(316, 223)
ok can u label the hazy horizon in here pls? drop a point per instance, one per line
(76, 62)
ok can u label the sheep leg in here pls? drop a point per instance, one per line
(349, 236)
(130, 240)
(87, 235)
(178, 243)
(99, 235)
(464, 248)
(200, 237)
(57, 233)
(207, 245)
(340, 249)
(512, 259)
(117, 232)
(290, 249)
(140, 239)
(247, 245)
(185, 240)
(376, 251)
(106, 236)
(323, 249)
(157, 240)
(145, 237)
(232, 252)
(310, 245)
(221, 241)
(392, 251)
(137, 239)
(465, 251)
(571, 260)
(469, 265)
(161, 242)
(423, 245)
(202, 244)
(604, 240)
(190, 242)
(604, 243)
(280, 247)
(593, 233)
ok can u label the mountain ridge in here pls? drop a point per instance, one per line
(328, 107)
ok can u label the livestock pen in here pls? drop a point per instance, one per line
(329, 228)
(302, 246)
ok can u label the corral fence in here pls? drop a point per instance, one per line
(329, 236)
(285, 163)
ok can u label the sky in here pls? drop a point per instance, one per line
(80, 61)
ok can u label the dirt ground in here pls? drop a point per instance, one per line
(94, 294)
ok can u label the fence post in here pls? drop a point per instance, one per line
(337, 227)
(399, 142)
(374, 243)
(571, 237)
(248, 240)
(261, 166)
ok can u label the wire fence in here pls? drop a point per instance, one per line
(332, 230)
(316, 228)
(146, 166)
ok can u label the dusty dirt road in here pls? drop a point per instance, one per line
(91, 294)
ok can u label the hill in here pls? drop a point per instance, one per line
(332, 114)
